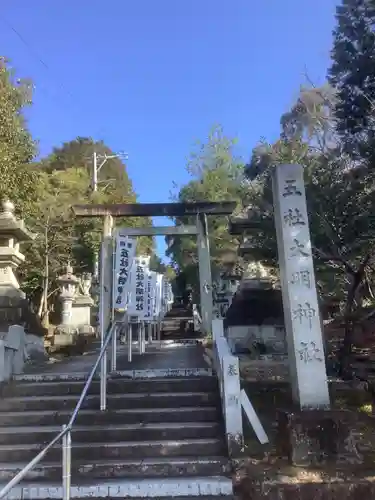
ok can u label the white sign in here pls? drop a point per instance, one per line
(125, 253)
(158, 295)
(300, 299)
(149, 293)
(169, 295)
(138, 284)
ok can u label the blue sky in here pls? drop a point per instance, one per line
(152, 77)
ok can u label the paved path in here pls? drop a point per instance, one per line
(157, 356)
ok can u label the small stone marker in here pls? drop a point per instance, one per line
(300, 300)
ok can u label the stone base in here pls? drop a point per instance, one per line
(86, 330)
(70, 339)
(34, 348)
(351, 489)
(15, 310)
(63, 339)
(314, 438)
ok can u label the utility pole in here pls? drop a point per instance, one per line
(96, 158)
(97, 163)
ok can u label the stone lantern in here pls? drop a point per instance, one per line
(68, 284)
(76, 304)
(12, 232)
(86, 282)
(82, 306)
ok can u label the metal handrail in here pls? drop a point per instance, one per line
(64, 433)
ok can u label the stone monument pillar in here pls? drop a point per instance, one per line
(314, 434)
(300, 299)
(12, 299)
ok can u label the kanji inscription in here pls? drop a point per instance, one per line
(124, 256)
(294, 217)
(301, 278)
(291, 189)
(232, 370)
(298, 249)
(304, 312)
(309, 352)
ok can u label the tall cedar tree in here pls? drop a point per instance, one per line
(353, 75)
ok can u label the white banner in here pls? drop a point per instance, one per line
(124, 258)
(138, 288)
(165, 293)
(149, 297)
(170, 294)
(153, 282)
(158, 295)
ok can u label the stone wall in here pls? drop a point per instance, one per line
(256, 340)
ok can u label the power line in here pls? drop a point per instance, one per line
(37, 56)
(33, 51)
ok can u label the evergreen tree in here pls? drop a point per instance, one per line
(353, 75)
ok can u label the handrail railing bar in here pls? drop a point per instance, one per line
(22, 473)
(91, 376)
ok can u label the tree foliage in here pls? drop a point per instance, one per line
(17, 149)
(216, 176)
(64, 180)
(352, 75)
(340, 200)
(44, 192)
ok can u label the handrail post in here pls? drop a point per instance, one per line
(144, 337)
(149, 332)
(130, 341)
(103, 382)
(114, 351)
(140, 333)
(66, 463)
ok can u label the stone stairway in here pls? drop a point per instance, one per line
(178, 324)
(160, 436)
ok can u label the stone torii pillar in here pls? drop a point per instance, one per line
(205, 277)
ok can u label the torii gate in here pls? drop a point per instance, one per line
(200, 210)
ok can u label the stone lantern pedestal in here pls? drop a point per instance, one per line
(66, 332)
(75, 328)
(81, 309)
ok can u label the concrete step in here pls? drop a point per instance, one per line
(109, 469)
(125, 375)
(202, 488)
(122, 416)
(113, 433)
(74, 387)
(114, 401)
(118, 450)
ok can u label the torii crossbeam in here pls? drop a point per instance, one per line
(200, 210)
(155, 209)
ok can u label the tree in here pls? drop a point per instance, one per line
(340, 202)
(352, 75)
(64, 178)
(114, 187)
(156, 264)
(217, 176)
(17, 149)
